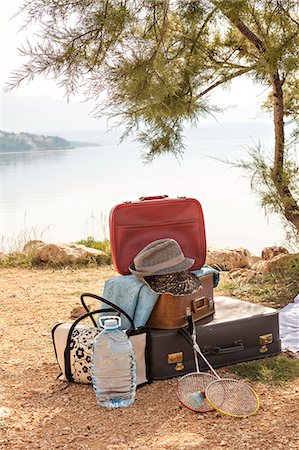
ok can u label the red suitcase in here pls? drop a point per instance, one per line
(135, 224)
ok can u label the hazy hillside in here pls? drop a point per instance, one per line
(28, 141)
(74, 122)
(47, 115)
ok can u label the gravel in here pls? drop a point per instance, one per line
(39, 412)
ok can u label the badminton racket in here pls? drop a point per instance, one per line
(228, 396)
(191, 387)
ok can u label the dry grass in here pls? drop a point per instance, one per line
(273, 289)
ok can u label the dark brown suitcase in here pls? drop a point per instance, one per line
(133, 225)
(170, 310)
(240, 331)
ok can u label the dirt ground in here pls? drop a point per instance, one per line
(39, 412)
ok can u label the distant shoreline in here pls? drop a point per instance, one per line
(32, 150)
(12, 142)
(41, 150)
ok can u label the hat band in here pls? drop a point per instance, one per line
(163, 265)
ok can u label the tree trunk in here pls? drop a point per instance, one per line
(286, 199)
(287, 202)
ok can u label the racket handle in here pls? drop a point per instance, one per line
(197, 349)
(189, 319)
(193, 334)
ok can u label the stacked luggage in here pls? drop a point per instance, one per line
(158, 245)
(228, 330)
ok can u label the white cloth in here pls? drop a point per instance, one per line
(289, 326)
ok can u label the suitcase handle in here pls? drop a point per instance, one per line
(199, 303)
(237, 347)
(153, 197)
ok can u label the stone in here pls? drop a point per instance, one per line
(275, 264)
(255, 259)
(31, 246)
(228, 258)
(270, 252)
(5, 412)
(68, 253)
(78, 311)
(242, 274)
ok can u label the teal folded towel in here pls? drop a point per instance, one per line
(133, 296)
(205, 270)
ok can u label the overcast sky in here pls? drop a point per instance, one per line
(243, 96)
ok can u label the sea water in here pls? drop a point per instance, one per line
(66, 195)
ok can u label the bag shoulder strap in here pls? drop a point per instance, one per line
(90, 314)
(67, 350)
(107, 302)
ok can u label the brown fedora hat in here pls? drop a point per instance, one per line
(160, 257)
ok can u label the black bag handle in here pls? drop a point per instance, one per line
(88, 310)
(113, 308)
(67, 350)
(107, 302)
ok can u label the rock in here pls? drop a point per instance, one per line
(5, 412)
(78, 311)
(31, 246)
(228, 259)
(255, 259)
(242, 274)
(69, 253)
(275, 264)
(270, 252)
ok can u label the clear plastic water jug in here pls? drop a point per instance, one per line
(113, 365)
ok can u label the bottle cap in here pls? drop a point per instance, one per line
(110, 323)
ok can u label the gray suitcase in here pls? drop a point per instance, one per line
(240, 331)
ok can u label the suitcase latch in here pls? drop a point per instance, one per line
(177, 359)
(198, 304)
(265, 339)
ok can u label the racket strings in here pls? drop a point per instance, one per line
(191, 391)
(232, 397)
(202, 392)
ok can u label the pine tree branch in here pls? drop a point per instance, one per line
(279, 3)
(244, 30)
(248, 34)
(206, 21)
(224, 80)
(163, 31)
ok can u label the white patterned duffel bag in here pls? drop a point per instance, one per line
(73, 345)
